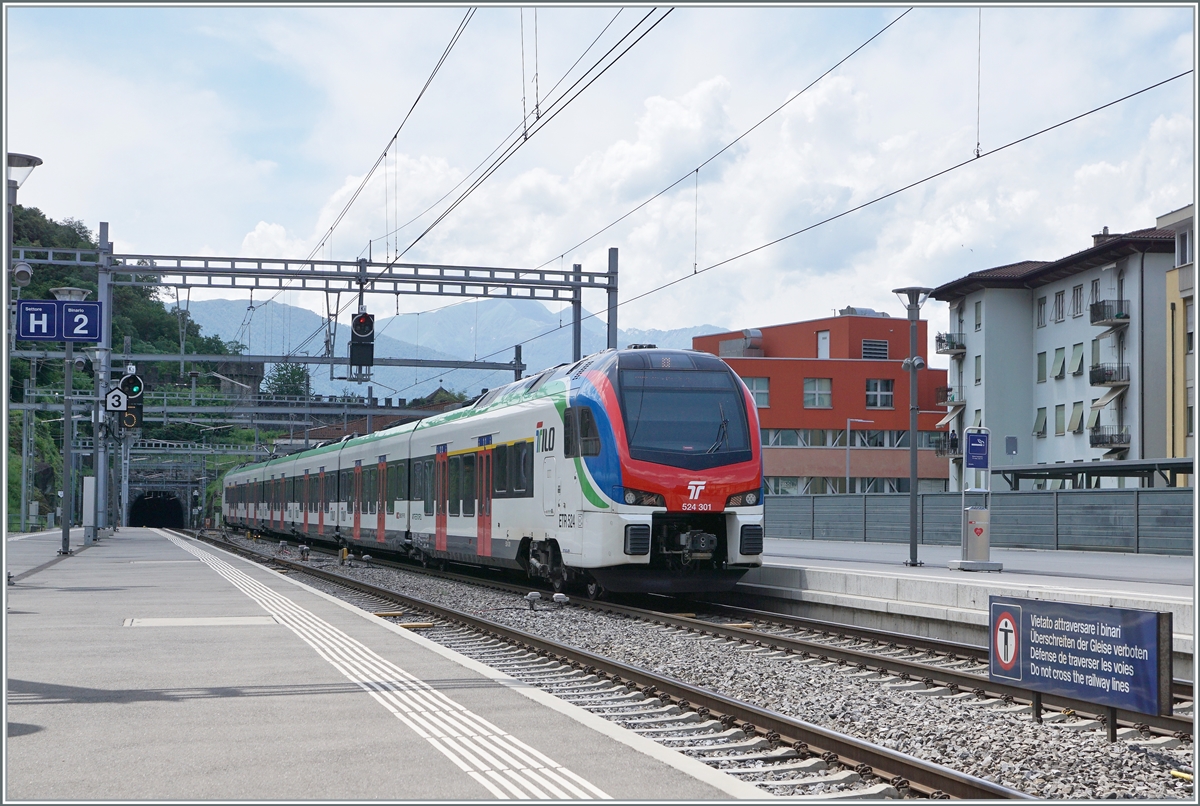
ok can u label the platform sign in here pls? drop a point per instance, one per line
(1104, 655)
(977, 450)
(116, 400)
(57, 320)
(37, 320)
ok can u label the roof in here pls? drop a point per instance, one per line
(1033, 273)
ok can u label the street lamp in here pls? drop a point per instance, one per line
(19, 167)
(848, 421)
(68, 294)
(913, 298)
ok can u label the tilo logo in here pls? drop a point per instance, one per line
(695, 488)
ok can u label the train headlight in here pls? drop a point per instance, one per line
(749, 498)
(641, 498)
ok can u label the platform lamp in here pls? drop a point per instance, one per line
(913, 298)
(68, 294)
(19, 167)
(848, 421)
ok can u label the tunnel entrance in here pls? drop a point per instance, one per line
(157, 509)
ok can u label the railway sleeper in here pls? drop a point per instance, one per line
(807, 765)
(841, 777)
(756, 743)
(778, 754)
(670, 719)
(708, 726)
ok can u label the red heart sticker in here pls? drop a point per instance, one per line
(978, 531)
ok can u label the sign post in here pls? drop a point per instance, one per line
(1109, 656)
(976, 528)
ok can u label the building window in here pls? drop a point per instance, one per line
(818, 393)
(1095, 352)
(1060, 419)
(978, 421)
(760, 388)
(1095, 295)
(1060, 304)
(1059, 370)
(1039, 423)
(780, 437)
(978, 314)
(978, 370)
(1077, 359)
(782, 485)
(1041, 368)
(1041, 312)
(1094, 415)
(879, 393)
(1183, 248)
(1076, 424)
(876, 349)
(1191, 420)
(1077, 300)
(1189, 314)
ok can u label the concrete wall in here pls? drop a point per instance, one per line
(1150, 521)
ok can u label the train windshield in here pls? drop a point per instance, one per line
(694, 419)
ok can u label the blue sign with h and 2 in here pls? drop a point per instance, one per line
(977, 450)
(57, 320)
(1105, 655)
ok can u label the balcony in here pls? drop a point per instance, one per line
(1109, 375)
(950, 396)
(951, 344)
(1109, 436)
(1110, 312)
(945, 449)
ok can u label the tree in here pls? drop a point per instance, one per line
(291, 380)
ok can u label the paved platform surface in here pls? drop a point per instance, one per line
(154, 667)
(869, 584)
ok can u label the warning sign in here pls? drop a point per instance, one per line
(1006, 641)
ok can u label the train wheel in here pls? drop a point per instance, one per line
(423, 558)
(594, 589)
(559, 583)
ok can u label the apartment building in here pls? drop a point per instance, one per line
(1180, 320)
(1065, 355)
(814, 380)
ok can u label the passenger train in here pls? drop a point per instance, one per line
(630, 470)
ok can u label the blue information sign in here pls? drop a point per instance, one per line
(977, 450)
(1104, 655)
(37, 320)
(57, 320)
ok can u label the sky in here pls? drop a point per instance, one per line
(245, 131)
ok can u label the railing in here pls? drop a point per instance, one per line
(1109, 375)
(951, 343)
(1111, 312)
(948, 449)
(950, 396)
(1109, 436)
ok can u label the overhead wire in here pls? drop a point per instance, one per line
(973, 160)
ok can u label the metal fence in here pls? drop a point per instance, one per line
(1138, 520)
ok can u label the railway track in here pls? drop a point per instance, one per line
(936, 663)
(777, 753)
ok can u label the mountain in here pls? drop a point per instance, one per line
(484, 330)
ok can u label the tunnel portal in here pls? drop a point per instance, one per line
(156, 509)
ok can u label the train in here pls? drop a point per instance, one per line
(635, 470)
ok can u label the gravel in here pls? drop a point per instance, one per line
(1046, 761)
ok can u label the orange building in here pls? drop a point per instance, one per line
(810, 378)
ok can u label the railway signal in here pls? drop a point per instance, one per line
(362, 340)
(132, 386)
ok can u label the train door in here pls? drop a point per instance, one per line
(304, 503)
(441, 495)
(356, 500)
(321, 499)
(483, 486)
(549, 485)
(381, 488)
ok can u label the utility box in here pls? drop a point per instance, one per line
(976, 542)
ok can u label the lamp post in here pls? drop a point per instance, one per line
(848, 421)
(19, 167)
(68, 472)
(913, 298)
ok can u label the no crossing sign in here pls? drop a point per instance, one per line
(1006, 641)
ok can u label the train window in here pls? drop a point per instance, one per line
(589, 435)
(418, 481)
(455, 478)
(370, 491)
(345, 485)
(570, 431)
(427, 472)
(500, 471)
(523, 468)
(467, 486)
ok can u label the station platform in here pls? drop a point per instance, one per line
(153, 667)
(869, 585)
